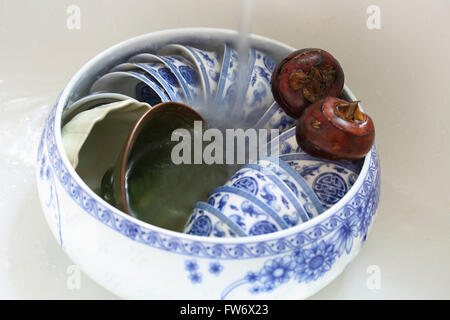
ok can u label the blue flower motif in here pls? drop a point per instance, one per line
(239, 220)
(297, 253)
(255, 289)
(276, 272)
(343, 237)
(191, 265)
(284, 122)
(247, 183)
(189, 75)
(315, 262)
(262, 227)
(269, 196)
(265, 75)
(269, 63)
(130, 229)
(215, 268)
(41, 171)
(252, 277)
(285, 148)
(249, 209)
(195, 277)
(364, 214)
(47, 173)
(223, 202)
(169, 77)
(217, 231)
(309, 170)
(202, 226)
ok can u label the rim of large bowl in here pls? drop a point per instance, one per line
(228, 35)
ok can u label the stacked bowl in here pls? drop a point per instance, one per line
(299, 220)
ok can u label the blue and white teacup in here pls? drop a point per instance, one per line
(329, 180)
(184, 71)
(133, 84)
(226, 88)
(267, 187)
(295, 183)
(159, 72)
(258, 96)
(252, 215)
(207, 221)
(275, 118)
(208, 65)
(285, 143)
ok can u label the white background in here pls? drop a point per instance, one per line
(401, 74)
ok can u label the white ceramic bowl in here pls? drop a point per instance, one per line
(137, 260)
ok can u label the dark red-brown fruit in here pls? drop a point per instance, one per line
(305, 76)
(335, 129)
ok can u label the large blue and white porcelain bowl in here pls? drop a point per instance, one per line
(136, 260)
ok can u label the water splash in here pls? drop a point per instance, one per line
(243, 49)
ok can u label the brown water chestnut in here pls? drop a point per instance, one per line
(305, 76)
(335, 129)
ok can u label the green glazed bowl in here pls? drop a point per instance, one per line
(147, 184)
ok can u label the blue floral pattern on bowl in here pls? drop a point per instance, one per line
(329, 180)
(252, 215)
(153, 65)
(267, 187)
(209, 64)
(183, 70)
(258, 96)
(160, 73)
(166, 78)
(296, 183)
(207, 221)
(206, 64)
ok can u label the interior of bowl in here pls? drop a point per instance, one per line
(80, 84)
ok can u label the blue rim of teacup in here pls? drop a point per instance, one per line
(285, 135)
(171, 66)
(205, 77)
(268, 115)
(301, 156)
(299, 179)
(214, 211)
(153, 85)
(247, 195)
(301, 212)
(129, 66)
(161, 80)
(186, 52)
(188, 92)
(223, 73)
(150, 83)
(251, 67)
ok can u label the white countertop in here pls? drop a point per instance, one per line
(400, 73)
